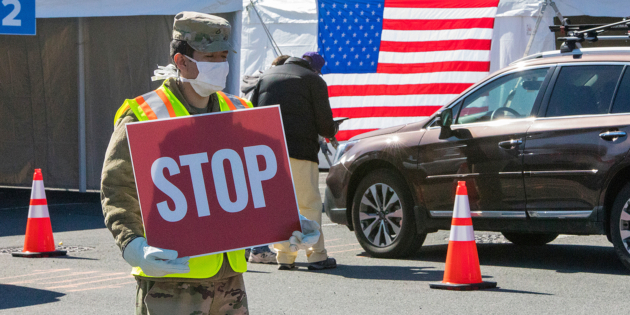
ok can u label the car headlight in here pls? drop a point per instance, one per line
(342, 149)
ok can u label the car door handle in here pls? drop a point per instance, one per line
(612, 135)
(510, 144)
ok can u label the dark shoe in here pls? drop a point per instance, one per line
(286, 266)
(329, 263)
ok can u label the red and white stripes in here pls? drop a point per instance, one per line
(462, 270)
(461, 224)
(462, 260)
(430, 51)
(38, 207)
(39, 236)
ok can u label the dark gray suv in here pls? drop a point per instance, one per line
(542, 146)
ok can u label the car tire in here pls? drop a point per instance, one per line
(387, 231)
(620, 225)
(530, 239)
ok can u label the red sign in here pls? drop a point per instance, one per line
(215, 182)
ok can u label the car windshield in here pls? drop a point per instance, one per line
(511, 96)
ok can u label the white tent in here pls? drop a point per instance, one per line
(516, 20)
(113, 8)
(61, 88)
(292, 23)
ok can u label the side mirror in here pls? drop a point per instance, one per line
(446, 118)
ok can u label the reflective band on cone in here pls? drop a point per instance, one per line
(462, 270)
(39, 241)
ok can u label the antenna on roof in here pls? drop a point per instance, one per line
(579, 33)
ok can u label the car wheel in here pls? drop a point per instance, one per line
(620, 225)
(530, 239)
(383, 217)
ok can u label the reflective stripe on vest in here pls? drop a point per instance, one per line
(160, 104)
(232, 102)
(156, 105)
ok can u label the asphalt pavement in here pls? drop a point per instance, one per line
(571, 275)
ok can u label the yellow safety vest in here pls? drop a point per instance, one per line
(160, 104)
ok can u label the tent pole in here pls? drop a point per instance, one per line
(234, 76)
(81, 87)
(541, 13)
(274, 45)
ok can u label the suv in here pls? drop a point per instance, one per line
(542, 146)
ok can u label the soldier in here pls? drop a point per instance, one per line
(211, 284)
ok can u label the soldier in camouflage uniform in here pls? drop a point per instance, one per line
(203, 298)
(211, 284)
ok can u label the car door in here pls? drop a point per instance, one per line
(569, 152)
(483, 147)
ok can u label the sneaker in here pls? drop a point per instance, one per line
(286, 266)
(329, 263)
(262, 255)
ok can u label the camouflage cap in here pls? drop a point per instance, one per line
(203, 32)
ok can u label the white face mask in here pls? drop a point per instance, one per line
(211, 77)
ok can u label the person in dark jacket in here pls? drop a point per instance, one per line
(260, 254)
(248, 84)
(303, 98)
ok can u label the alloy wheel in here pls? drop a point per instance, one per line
(624, 225)
(381, 215)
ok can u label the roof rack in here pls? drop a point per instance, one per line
(589, 32)
(577, 51)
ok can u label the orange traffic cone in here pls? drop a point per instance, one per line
(39, 240)
(462, 271)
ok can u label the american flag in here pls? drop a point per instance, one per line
(392, 62)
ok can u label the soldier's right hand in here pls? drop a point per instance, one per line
(153, 261)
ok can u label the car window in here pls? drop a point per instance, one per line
(456, 108)
(622, 100)
(583, 90)
(511, 96)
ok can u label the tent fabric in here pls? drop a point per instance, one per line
(39, 84)
(511, 35)
(516, 19)
(38, 117)
(120, 56)
(612, 8)
(513, 25)
(93, 8)
(293, 24)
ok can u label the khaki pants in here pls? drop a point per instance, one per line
(225, 296)
(306, 181)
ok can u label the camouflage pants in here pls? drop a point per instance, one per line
(226, 296)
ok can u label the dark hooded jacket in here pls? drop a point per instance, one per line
(248, 84)
(303, 99)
